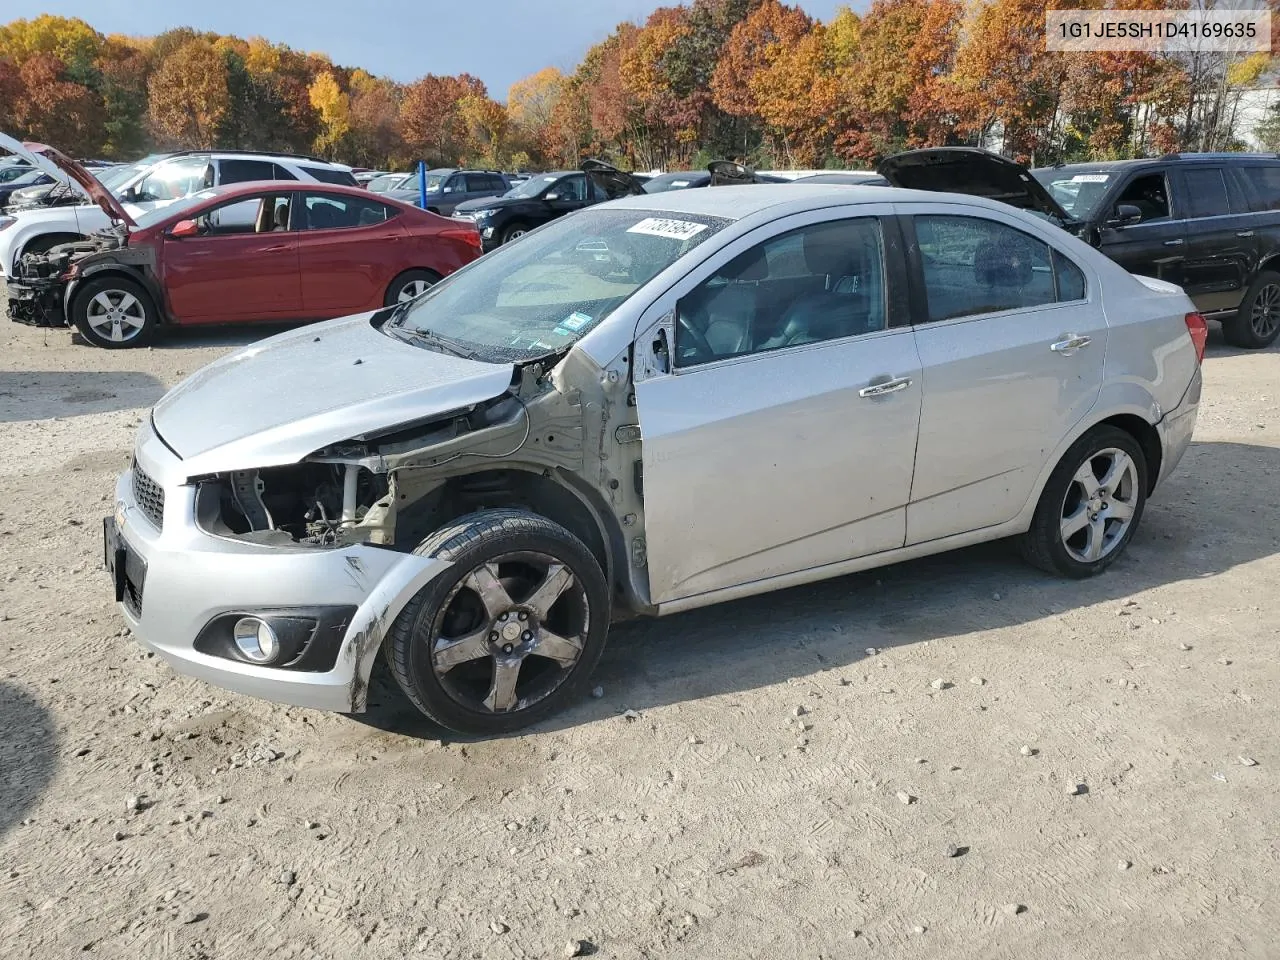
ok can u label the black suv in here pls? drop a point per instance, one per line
(1209, 222)
(540, 199)
(448, 187)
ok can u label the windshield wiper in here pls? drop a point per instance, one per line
(429, 338)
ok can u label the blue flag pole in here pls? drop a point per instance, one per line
(422, 183)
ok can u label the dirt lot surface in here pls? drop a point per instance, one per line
(777, 791)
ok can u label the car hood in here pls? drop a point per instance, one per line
(56, 164)
(285, 397)
(489, 203)
(971, 171)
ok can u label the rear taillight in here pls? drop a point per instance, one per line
(1199, 331)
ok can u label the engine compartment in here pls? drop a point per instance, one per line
(39, 279)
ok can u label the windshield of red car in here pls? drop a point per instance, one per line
(541, 293)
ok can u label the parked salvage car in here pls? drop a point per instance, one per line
(797, 383)
(615, 183)
(1208, 222)
(540, 199)
(258, 251)
(448, 187)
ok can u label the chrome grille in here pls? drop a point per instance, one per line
(150, 496)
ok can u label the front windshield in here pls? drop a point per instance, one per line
(433, 182)
(152, 217)
(115, 177)
(544, 292)
(1077, 191)
(531, 187)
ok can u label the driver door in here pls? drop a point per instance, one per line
(779, 392)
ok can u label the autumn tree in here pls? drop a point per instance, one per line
(53, 109)
(333, 106)
(429, 117)
(124, 66)
(188, 96)
(375, 115)
(531, 105)
(485, 125)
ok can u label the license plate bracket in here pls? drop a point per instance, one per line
(114, 556)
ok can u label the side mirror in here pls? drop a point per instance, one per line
(447, 190)
(552, 196)
(1127, 214)
(185, 228)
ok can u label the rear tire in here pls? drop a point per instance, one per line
(410, 285)
(114, 312)
(1257, 322)
(507, 635)
(1090, 507)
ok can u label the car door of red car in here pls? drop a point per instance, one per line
(241, 265)
(349, 248)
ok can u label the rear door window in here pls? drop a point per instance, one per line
(244, 171)
(322, 211)
(1206, 192)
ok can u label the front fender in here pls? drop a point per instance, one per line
(134, 271)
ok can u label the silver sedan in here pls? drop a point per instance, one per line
(652, 405)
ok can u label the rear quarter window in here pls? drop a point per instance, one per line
(329, 175)
(1264, 183)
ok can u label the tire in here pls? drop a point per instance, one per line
(1064, 503)
(1257, 322)
(134, 323)
(512, 232)
(512, 555)
(410, 284)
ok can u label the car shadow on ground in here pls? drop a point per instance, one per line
(199, 337)
(1217, 346)
(1197, 526)
(42, 394)
(28, 752)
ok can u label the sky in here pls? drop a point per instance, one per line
(498, 41)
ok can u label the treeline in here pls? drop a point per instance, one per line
(711, 78)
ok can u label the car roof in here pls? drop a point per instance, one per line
(740, 202)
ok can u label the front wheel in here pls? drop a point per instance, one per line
(409, 286)
(114, 312)
(1090, 507)
(514, 232)
(510, 633)
(1257, 322)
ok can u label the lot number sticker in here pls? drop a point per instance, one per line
(671, 229)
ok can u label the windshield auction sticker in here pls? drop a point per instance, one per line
(1157, 31)
(671, 229)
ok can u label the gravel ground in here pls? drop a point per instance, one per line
(958, 757)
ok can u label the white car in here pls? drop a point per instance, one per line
(177, 176)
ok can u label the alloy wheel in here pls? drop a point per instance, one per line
(510, 633)
(1099, 505)
(1265, 312)
(116, 315)
(412, 290)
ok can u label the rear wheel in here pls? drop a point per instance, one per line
(510, 632)
(410, 285)
(114, 312)
(1257, 322)
(1090, 507)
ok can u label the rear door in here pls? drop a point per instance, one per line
(1012, 339)
(777, 441)
(1221, 245)
(243, 267)
(348, 250)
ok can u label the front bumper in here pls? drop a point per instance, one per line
(179, 578)
(36, 304)
(1177, 426)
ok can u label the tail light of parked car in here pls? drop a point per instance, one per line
(1199, 331)
(468, 235)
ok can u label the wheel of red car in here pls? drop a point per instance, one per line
(410, 285)
(510, 632)
(114, 312)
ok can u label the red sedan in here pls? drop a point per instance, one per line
(256, 251)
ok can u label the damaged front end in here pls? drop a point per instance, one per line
(37, 289)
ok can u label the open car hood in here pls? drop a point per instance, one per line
(971, 171)
(56, 164)
(613, 182)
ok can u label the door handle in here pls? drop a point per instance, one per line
(1245, 234)
(1173, 243)
(888, 386)
(276, 249)
(1071, 344)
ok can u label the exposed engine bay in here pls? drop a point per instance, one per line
(37, 289)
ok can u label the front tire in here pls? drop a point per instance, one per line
(510, 633)
(409, 286)
(513, 232)
(1257, 322)
(1090, 507)
(114, 312)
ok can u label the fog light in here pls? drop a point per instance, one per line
(255, 639)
